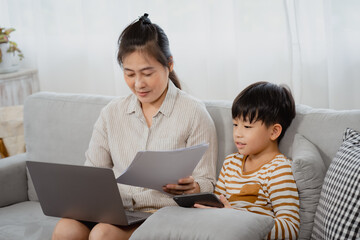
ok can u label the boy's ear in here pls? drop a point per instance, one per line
(276, 131)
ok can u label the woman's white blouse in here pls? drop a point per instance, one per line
(121, 131)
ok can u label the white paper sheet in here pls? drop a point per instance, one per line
(155, 169)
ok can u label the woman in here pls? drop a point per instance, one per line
(157, 116)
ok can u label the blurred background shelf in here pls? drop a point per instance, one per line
(16, 86)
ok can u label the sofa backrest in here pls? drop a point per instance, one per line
(323, 127)
(58, 127)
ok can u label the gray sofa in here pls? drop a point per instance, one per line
(58, 128)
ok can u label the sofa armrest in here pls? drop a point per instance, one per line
(13, 180)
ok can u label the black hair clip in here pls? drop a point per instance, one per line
(144, 19)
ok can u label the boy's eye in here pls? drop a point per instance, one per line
(234, 124)
(247, 126)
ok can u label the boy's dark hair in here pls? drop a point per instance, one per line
(147, 37)
(267, 102)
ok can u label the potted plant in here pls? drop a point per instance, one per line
(10, 54)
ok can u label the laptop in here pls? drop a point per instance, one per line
(81, 193)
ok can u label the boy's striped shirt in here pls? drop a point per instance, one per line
(269, 190)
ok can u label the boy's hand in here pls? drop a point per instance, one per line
(222, 199)
(184, 186)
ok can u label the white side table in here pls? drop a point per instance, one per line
(16, 86)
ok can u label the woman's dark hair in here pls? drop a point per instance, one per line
(267, 102)
(142, 35)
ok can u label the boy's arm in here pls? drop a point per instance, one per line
(284, 198)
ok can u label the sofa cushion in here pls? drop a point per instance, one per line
(25, 221)
(338, 213)
(193, 223)
(309, 172)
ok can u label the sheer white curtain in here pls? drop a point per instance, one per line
(325, 52)
(219, 47)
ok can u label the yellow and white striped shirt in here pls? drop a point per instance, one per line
(269, 190)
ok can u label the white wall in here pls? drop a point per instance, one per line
(218, 47)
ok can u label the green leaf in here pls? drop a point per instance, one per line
(13, 47)
(3, 39)
(13, 43)
(9, 30)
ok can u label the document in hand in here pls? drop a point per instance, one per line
(155, 169)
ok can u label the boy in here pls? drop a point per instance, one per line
(259, 178)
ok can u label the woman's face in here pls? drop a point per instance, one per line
(146, 77)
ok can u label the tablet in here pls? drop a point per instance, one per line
(207, 199)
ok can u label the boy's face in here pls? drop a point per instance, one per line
(252, 138)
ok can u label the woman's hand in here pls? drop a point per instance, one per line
(184, 186)
(222, 199)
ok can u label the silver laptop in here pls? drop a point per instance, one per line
(81, 193)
